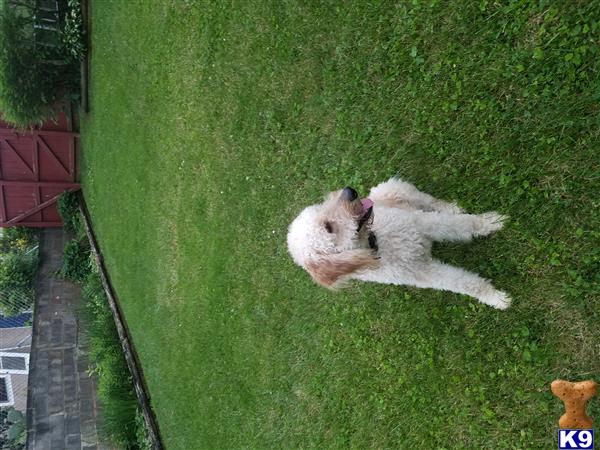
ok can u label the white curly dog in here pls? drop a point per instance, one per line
(387, 238)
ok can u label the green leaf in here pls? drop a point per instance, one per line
(15, 430)
(15, 416)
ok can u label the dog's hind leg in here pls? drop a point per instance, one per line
(438, 275)
(396, 193)
(457, 227)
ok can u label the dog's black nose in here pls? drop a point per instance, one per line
(349, 194)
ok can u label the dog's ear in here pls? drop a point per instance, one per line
(331, 270)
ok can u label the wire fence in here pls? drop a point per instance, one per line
(18, 264)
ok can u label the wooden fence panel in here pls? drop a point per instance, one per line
(35, 168)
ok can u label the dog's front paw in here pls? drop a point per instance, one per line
(489, 222)
(497, 299)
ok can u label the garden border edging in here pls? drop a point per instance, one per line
(141, 389)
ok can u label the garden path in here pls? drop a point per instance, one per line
(62, 410)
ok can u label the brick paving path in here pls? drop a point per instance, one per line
(62, 412)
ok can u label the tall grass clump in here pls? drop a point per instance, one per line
(120, 423)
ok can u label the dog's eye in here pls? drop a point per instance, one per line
(328, 227)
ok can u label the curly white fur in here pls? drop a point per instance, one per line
(325, 239)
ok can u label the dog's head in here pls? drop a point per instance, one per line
(330, 240)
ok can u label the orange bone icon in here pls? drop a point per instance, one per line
(575, 397)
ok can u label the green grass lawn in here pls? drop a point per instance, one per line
(212, 126)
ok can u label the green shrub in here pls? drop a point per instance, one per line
(12, 429)
(18, 239)
(121, 419)
(18, 266)
(77, 262)
(17, 278)
(68, 208)
(37, 78)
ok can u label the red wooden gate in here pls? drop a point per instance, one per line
(35, 168)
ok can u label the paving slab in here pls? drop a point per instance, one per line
(61, 392)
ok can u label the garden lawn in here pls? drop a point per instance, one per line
(213, 124)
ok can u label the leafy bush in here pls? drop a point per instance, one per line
(18, 265)
(36, 77)
(17, 278)
(68, 208)
(12, 429)
(77, 262)
(18, 239)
